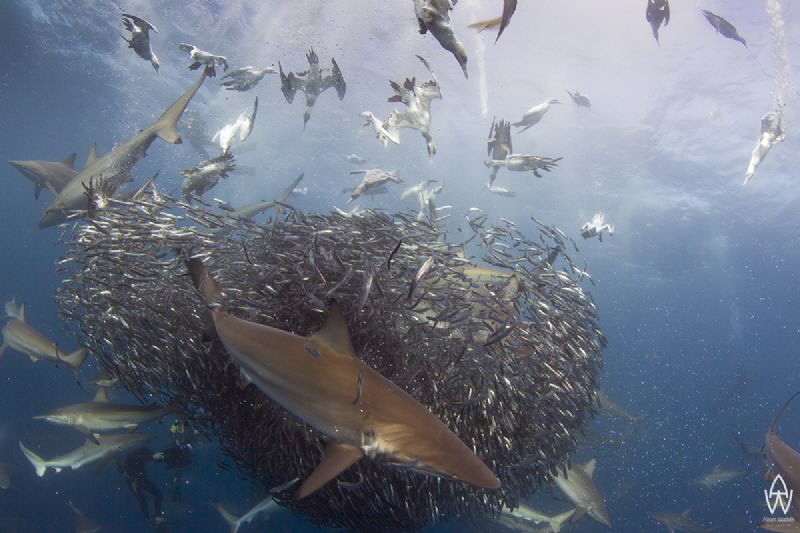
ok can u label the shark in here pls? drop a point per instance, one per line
(50, 175)
(107, 172)
(268, 504)
(615, 409)
(679, 522)
(577, 484)
(555, 522)
(83, 524)
(102, 415)
(782, 459)
(20, 336)
(716, 477)
(107, 447)
(320, 379)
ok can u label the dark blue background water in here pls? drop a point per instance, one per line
(698, 290)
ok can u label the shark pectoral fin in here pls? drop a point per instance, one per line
(577, 514)
(589, 467)
(36, 190)
(338, 457)
(88, 433)
(334, 332)
(101, 395)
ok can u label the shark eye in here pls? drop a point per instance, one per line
(312, 352)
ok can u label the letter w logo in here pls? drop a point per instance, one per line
(779, 495)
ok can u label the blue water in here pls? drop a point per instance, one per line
(698, 289)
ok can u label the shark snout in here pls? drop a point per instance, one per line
(51, 217)
(23, 166)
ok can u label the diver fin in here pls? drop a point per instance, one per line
(338, 457)
(334, 332)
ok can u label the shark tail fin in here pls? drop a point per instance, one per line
(166, 126)
(202, 280)
(232, 520)
(38, 463)
(75, 359)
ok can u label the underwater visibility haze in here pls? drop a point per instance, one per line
(483, 265)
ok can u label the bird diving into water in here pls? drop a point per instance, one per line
(657, 13)
(312, 82)
(723, 27)
(140, 37)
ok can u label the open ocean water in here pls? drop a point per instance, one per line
(698, 289)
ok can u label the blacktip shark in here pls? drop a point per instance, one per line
(614, 409)
(320, 379)
(679, 522)
(577, 484)
(20, 336)
(83, 524)
(554, 522)
(112, 169)
(50, 175)
(89, 452)
(101, 415)
(716, 477)
(267, 505)
(782, 459)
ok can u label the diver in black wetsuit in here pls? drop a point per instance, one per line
(179, 455)
(132, 467)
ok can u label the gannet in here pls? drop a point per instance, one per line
(201, 57)
(434, 16)
(312, 82)
(383, 134)
(533, 115)
(771, 134)
(723, 27)
(373, 178)
(533, 163)
(425, 192)
(581, 100)
(245, 78)
(200, 179)
(656, 14)
(498, 145)
(140, 37)
(240, 128)
(356, 159)
(596, 226)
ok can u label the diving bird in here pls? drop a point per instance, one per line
(240, 128)
(533, 115)
(202, 178)
(382, 130)
(500, 191)
(321, 380)
(50, 175)
(498, 147)
(201, 57)
(267, 505)
(772, 133)
(140, 38)
(576, 483)
(417, 99)
(89, 452)
(114, 168)
(425, 192)
(596, 227)
(102, 415)
(723, 27)
(530, 163)
(679, 522)
(509, 6)
(245, 78)
(356, 159)
(581, 100)
(374, 178)
(20, 336)
(656, 14)
(434, 16)
(312, 82)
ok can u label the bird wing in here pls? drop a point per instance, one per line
(335, 79)
(188, 48)
(509, 6)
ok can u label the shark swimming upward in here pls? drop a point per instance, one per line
(320, 379)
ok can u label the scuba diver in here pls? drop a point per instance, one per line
(179, 455)
(132, 467)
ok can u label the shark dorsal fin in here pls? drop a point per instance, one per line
(334, 332)
(92, 157)
(101, 395)
(589, 466)
(70, 160)
(337, 458)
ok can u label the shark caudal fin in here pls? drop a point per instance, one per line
(75, 359)
(232, 520)
(38, 463)
(166, 126)
(203, 281)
